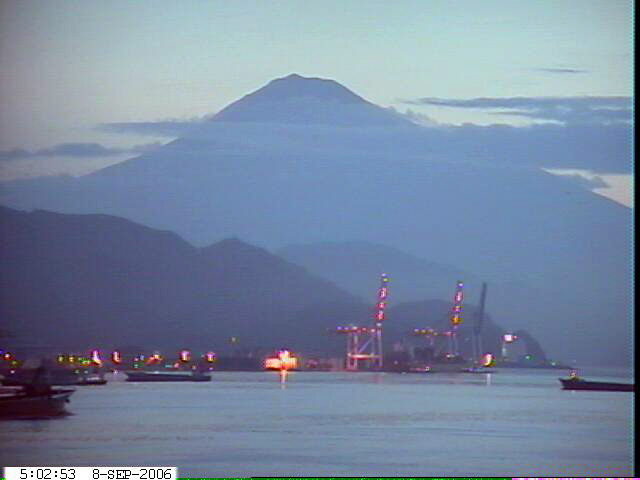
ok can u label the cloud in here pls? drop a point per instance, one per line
(77, 150)
(74, 150)
(162, 128)
(419, 118)
(566, 110)
(14, 154)
(561, 70)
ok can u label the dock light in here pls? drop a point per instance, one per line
(488, 360)
(272, 363)
(509, 337)
(283, 361)
(286, 360)
(155, 358)
(115, 357)
(211, 357)
(95, 358)
(185, 356)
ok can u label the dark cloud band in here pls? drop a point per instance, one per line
(568, 110)
(561, 70)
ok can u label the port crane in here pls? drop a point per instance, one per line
(476, 338)
(365, 343)
(455, 319)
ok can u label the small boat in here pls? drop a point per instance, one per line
(91, 379)
(24, 403)
(166, 376)
(576, 383)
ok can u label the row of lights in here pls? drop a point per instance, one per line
(95, 358)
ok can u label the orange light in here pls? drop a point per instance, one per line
(272, 363)
(210, 356)
(115, 357)
(284, 361)
(185, 356)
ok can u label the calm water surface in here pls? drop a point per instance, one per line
(510, 423)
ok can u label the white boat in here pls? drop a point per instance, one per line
(166, 376)
(92, 379)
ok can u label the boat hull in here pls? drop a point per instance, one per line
(90, 381)
(166, 377)
(479, 370)
(572, 384)
(21, 405)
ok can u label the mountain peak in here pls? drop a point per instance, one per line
(295, 99)
(297, 86)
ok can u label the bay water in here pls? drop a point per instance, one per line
(514, 422)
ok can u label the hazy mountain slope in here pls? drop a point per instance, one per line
(303, 161)
(356, 266)
(82, 280)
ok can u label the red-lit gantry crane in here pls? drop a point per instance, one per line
(365, 343)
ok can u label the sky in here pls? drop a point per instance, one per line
(68, 67)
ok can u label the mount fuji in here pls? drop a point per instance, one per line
(305, 160)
